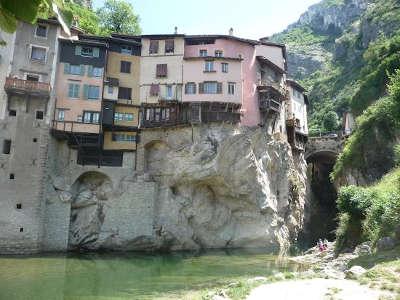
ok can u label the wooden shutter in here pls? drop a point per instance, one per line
(201, 88)
(67, 68)
(96, 52)
(85, 91)
(159, 70)
(78, 50)
(219, 87)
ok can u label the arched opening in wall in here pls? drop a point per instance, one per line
(90, 192)
(155, 156)
(320, 211)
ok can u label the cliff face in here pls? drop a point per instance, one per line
(206, 187)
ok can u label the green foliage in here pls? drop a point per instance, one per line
(396, 151)
(330, 121)
(87, 19)
(118, 16)
(376, 130)
(373, 212)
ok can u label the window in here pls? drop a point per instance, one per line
(190, 88)
(41, 31)
(73, 90)
(19, 206)
(34, 140)
(91, 92)
(110, 89)
(126, 49)
(231, 88)
(209, 66)
(154, 90)
(97, 72)
(61, 115)
(21, 229)
(224, 67)
(12, 113)
(123, 137)
(75, 69)
(169, 46)
(6, 146)
(87, 51)
(153, 49)
(125, 66)
(210, 87)
(39, 115)
(31, 77)
(169, 91)
(203, 53)
(91, 117)
(38, 54)
(219, 53)
(12, 176)
(297, 94)
(118, 116)
(124, 93)
(161, 70)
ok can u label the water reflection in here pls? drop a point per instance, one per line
(128, 276)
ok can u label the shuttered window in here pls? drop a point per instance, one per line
(125, 66)
(124, 93)
(190, 88)
(169, 46)
(73, 90)
(95, 71)
(91, 117)
(161, 70)
(209, 66)
(74, 69)
(153, 49)
(154, 90)
(231, 88)
(91, 92)
(210, 87)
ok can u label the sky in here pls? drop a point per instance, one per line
(248, 18)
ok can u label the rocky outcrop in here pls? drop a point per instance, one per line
(217, 186)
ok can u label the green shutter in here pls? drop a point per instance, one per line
(85, 91)
(78, 50)
(96, 52)
(82, 70)
(67, 67)
(70, 90)
(90, 71)
(219, 88)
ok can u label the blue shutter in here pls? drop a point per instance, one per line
(67, 68)
(85, 91)
(78, 50)
(90, 71)
(96, 52)
(82, 70)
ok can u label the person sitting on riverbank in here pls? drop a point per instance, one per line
(320, 245)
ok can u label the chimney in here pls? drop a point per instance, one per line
(176, 30)
(231, 31)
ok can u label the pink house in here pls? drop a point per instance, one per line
(228, 69)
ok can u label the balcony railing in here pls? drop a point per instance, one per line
(265, 84)
(21, 86)
(270, 104)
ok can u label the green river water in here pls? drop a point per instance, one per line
(129, 276)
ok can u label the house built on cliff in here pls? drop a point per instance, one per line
(81, 104)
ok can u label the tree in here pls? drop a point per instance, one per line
(118, 16)
(330, 121)
(87, 20)
(12, 11)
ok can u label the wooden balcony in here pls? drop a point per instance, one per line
(264, 85)
(27, 87)
(269, 104)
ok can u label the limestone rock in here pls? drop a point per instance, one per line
(355, 272)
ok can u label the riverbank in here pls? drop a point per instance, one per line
(362, 274)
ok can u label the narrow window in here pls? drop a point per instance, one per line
(125, 93)
(12, 176)
(39, 115)
(6, 146)
(169, 92)
(203, 53)
(21, 229)
(12, 112)
(125, 66)
(34, 140)
(169, 46)
(153, 47)
(61, 115)
(41, 31)
(231, 88)
(224, 67)
(19, 206)
(209, 66)
(110, 89)
(126, 49)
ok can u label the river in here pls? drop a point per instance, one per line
(129, 276)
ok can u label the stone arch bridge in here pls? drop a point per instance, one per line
(323, 147)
